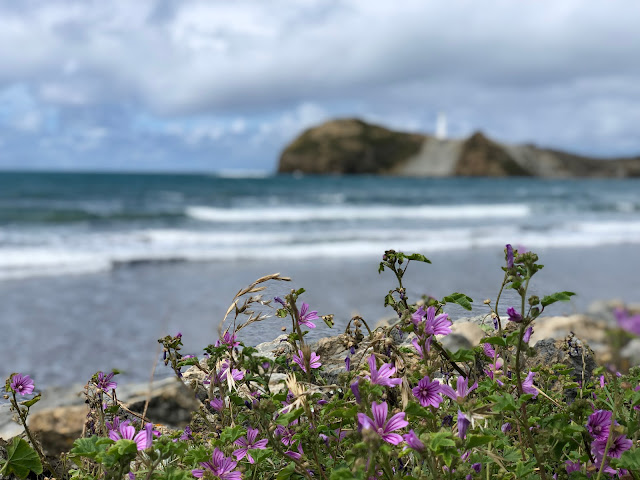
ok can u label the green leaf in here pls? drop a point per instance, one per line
(557, 297)
(286, 418)
(33, 401)
(230, 435)
(281, 313)
(286, 472)
(440, 440)
(419, 257)
(173, 473)
(463, 355)
(416, 410)
(500, 341)
(328, 319)
(123, 448)
(89, 447)
(343, 473)
(344, 413)
(478, 440)
(459, 298)
(21, 459)
(629, 460)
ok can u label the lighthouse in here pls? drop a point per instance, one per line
(441, 126)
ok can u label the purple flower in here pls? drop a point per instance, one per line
(286, 434)
(413, 441)
(104, 381)
(143, 438)
(380, 425)
(217, 404)
(355, 388)
(220, 466)
(509, 252)
(186, 433)
(347, 364)
(249, 442)
(527, 385)
(440, 325)
(572, 466)
(506, 427)
(280, 301)
(599, 424)
(461, 391)
(422, 346)
(489, 351)
(477, 467)
(463, 424)
(227, 339)
(382, 376)
(306, 316)
(21, 384)
(428, 392)
(630, 323)
(527, 334)
(295, 455)
(513, 314)
(314, 361)
(236, 374)
(619, 445)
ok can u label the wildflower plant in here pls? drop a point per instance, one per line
(400, 406)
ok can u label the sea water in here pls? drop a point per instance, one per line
(95, 267)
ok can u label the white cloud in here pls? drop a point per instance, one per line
(214, 71)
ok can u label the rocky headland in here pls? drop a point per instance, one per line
(352, 146)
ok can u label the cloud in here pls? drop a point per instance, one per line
(206, 74)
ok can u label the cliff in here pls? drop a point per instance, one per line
(351, 146)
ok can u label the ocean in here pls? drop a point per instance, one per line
(95, 267)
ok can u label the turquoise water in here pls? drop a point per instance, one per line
(95, 267)
(53, 224)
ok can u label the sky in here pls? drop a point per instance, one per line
(224, 85)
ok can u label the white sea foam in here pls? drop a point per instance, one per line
(353, 213)
(80, 253)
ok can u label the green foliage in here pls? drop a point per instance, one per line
(21, 459)
(511, 433)
(557, 297)
(460, 298)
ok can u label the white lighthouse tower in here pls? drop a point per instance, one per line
(441, 126)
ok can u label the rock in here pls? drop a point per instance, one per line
(570, 352)
(170, 403)
(471, 331)
(57, 428)
(630, 354)
(351, 146)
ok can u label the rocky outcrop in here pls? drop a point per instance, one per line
(351, 146)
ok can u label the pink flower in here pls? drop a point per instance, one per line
(306, 316)
(380, 425)
(220, 466)
(228, 339)
(461, 391)
(21, 384)
(440, 325)
(428, 392)
(249, 442)
(314, 361)
(527, 385)
(382, 376)
(513, 314)
(104, 381)
(413, 441)
(599, 424)
(122, 430)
